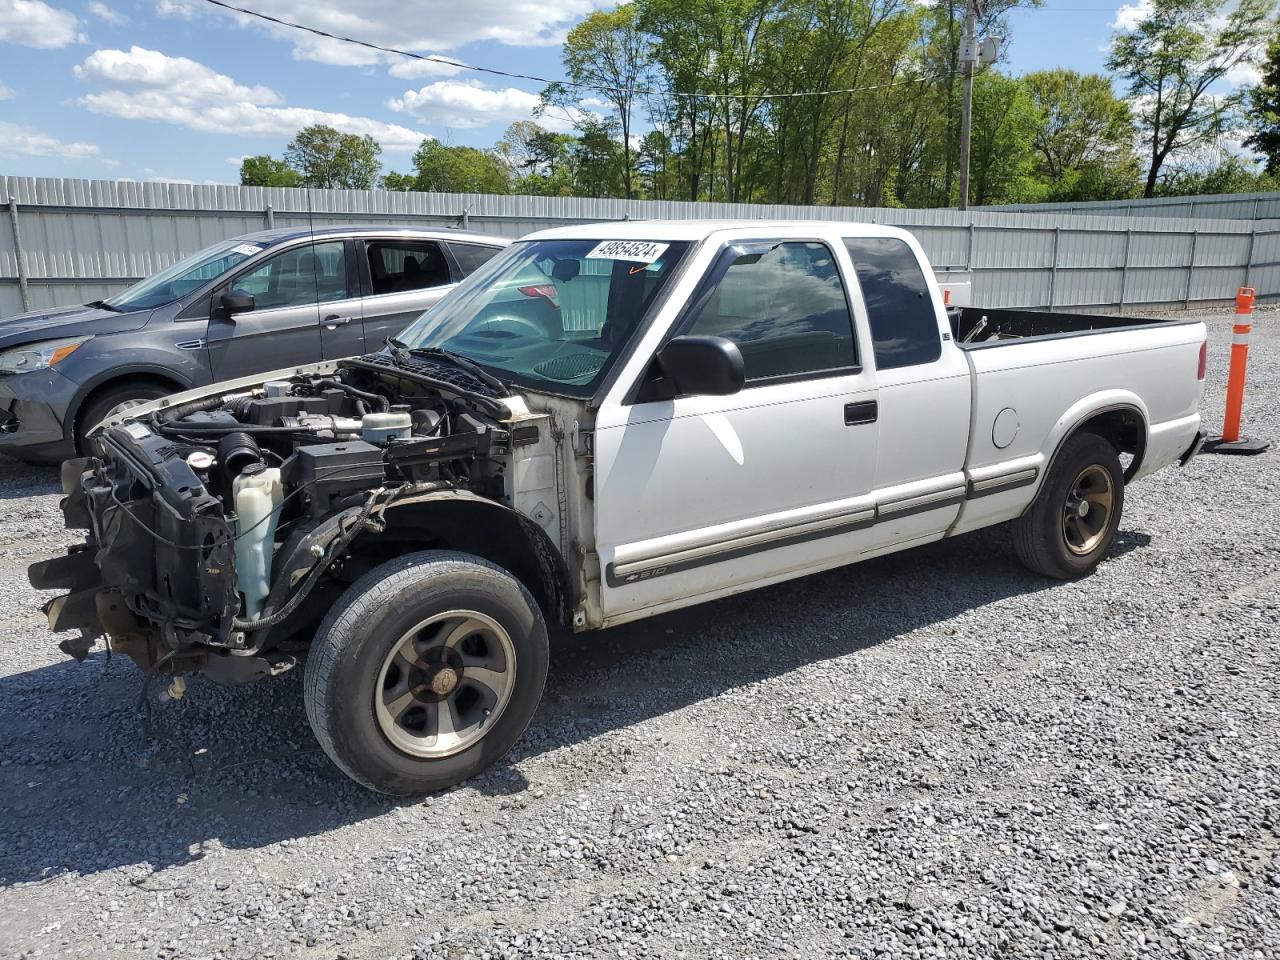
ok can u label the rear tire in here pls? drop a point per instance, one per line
(1069, 527)
(111, 401)
(426, 672)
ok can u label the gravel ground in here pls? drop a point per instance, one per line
(935, 754)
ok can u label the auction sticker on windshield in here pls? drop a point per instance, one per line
(248, 249)
(634, 251)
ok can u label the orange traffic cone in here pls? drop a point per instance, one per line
(1231, 441)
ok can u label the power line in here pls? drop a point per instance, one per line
(598, 88)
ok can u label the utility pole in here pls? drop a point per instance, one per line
(969, 57)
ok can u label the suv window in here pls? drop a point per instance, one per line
(471, 256)
(784, 307)
(899, 308)
(312, 273)
(396, 266)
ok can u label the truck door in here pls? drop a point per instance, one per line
(703, 495)
(924, 396)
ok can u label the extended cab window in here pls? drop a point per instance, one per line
(396, 266)
(471, 256)
(904, 326)
(783, 305)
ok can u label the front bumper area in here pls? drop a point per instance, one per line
(33, 408)
(156, 574)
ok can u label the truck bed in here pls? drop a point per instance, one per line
(1004, 325)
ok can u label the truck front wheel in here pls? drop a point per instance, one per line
(425, 672)
(1069, 527)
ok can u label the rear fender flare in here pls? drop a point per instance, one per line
(1079, 415)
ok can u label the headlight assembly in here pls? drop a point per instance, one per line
(38, 356)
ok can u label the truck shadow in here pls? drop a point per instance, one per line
(83, 789)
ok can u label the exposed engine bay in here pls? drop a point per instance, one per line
(213, 522)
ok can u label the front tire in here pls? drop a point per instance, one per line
(112, 402)
(426, 672)
(1069, 527)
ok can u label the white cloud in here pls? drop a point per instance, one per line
(1131, 14)
(468, 104)
(6, 93)
(407, 69)
(464, 105)
(141, 84)
(430, 25)
(33, 23)
(1244, 75)
(141, 69)
(107, 14)
(19, 141)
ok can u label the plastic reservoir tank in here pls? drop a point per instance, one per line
(258, 493)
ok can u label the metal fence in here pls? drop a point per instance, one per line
(1234, 206)
(72, 241)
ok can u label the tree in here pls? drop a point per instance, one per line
(1084, 137)
(399, 182)
(326, 158)
(1264, 104)
(1004, 124)
(607, 53)
(1172, 58)
(449, 169)
(595, 159)
(265, 171)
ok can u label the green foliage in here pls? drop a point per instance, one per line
(1083, 138)
(666, 99)
(264, 171)
(326, 158)
(1264, 107)
(1005, 121)
(1172, 58)
(399, 182)
(449, 169)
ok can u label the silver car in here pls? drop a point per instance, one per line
(247, 305)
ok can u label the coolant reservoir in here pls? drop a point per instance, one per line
(258, 492)
(381, 427)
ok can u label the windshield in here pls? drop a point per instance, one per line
(554, 312)
(184, 276)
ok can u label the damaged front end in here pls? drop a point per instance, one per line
(157, 572)
(212, 521)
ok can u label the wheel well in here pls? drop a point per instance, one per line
(1124, 429)
(485, 529)
(150, 379)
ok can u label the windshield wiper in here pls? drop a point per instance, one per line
(462, 363)
(103, 305)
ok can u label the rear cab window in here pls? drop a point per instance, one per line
(900, 311)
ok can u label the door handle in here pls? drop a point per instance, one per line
(333, 321)
(864, 411)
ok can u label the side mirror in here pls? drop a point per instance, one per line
(237, 301)
(702, 366)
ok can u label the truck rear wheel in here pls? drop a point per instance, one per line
(425, 672)
(1069, 528)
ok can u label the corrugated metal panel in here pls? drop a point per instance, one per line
(1247, 206)
(107, 232)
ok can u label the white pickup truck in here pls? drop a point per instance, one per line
(603, 423)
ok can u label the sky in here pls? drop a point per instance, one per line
(182, 89)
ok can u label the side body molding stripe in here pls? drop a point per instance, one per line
(619, 575)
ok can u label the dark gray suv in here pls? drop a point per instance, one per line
(247, 305)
